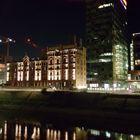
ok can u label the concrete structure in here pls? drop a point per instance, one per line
(64, 68)
(106, 41)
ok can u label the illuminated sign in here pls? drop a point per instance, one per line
(124, 3)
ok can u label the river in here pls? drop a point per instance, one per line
(35, 130)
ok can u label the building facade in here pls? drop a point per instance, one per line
(67, 66)
(2, 73)
(63, 68)
(135, 52)
(27, 73)
(134, 73)
(106, 42)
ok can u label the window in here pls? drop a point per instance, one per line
(51, 62)
(58, 61)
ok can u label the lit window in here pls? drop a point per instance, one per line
(8, 68)
(65, 60)
(94, 85)
(66, 65)
(21, 76)
(27, 76)
(73, 74)
(129, 76)
(35, 75)
(66, 74)
(39, 76)
(8, 76)
(105, 5)
(73, 65)
(137, 62)
(18, 76)
(106, 54)
(106, 60)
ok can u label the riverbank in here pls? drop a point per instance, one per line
(121, 112)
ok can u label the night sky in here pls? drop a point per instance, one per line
(49, 22)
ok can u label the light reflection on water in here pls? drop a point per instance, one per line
(23, 131)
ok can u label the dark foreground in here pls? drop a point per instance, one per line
(103, 111)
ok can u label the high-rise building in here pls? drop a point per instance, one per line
(106, 41)
(134, 73)
(135, 52)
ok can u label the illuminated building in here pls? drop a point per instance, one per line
(106, 42)
(135, 52)
(2, 73)
(134, 73)
(27, 73)
(67, 66)
(64, 67)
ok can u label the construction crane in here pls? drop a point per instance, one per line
(31, 43)
(7, 41)
(3, 67)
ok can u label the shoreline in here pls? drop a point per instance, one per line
(98, 110)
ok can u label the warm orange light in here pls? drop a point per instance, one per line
(125, 2)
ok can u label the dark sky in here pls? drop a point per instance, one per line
(134, 16)
(46, 21)
(49, 22)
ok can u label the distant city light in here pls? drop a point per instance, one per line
(105, 5)
(9, 39)
(28, 40)
(124, 3)
(107, 54)
(136, 34)
(108, 135)
(6, 40)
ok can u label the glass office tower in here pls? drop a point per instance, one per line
(106, 41)
(135, 52)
